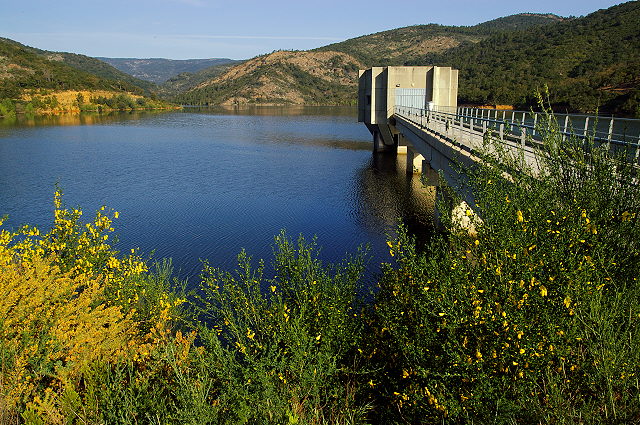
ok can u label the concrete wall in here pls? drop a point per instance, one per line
(377, 85)
(445, 88)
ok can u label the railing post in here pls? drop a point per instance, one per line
(610, 136)
(502, 131)
(566, 124)
(586, 126)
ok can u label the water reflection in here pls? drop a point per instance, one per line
(71, 119)
(387, 194)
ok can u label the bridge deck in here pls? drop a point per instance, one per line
(522, 131)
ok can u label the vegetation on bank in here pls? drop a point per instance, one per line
(534, 319)
(46, 102)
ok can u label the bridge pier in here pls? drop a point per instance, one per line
(414, 161)
(383, 139)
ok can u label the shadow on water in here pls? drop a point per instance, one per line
(390, 195)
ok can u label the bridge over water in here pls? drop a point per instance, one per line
(414, 110)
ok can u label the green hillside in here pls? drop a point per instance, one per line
(23, 67)
(401, 45)
(587, 63)
(519, 21)
(97, 67)
(283, 77)
(34, 81)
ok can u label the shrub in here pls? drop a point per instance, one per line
(535, 318)
(284, 348)
(69, 302)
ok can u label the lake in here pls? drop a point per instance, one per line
(203, 184)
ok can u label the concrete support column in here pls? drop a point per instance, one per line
(402, 145)
(379, 145)
(430, 177)
(461, 217)
(414, 161)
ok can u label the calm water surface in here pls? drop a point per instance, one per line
(195, 185)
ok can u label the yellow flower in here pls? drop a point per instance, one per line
(519, 215)
(116, 214)
(543, 291)
(250, 334)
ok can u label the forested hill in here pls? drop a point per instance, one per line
(401, 45)
(34, 81)
(328, 75)
(588, 63)
(25, 68)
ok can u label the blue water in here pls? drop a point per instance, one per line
(193, 185)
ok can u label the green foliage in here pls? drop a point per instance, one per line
(398, 46)
(283, 347)
(536, 317)
(7, 108)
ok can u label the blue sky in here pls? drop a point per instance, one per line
(239, 29)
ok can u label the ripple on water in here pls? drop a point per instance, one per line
(202, 185)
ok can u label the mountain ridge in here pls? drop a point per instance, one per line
(160, 70)
(296, 76)
(590, 64)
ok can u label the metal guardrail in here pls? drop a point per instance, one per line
(524, 128)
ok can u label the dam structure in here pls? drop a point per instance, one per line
(414, 110)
